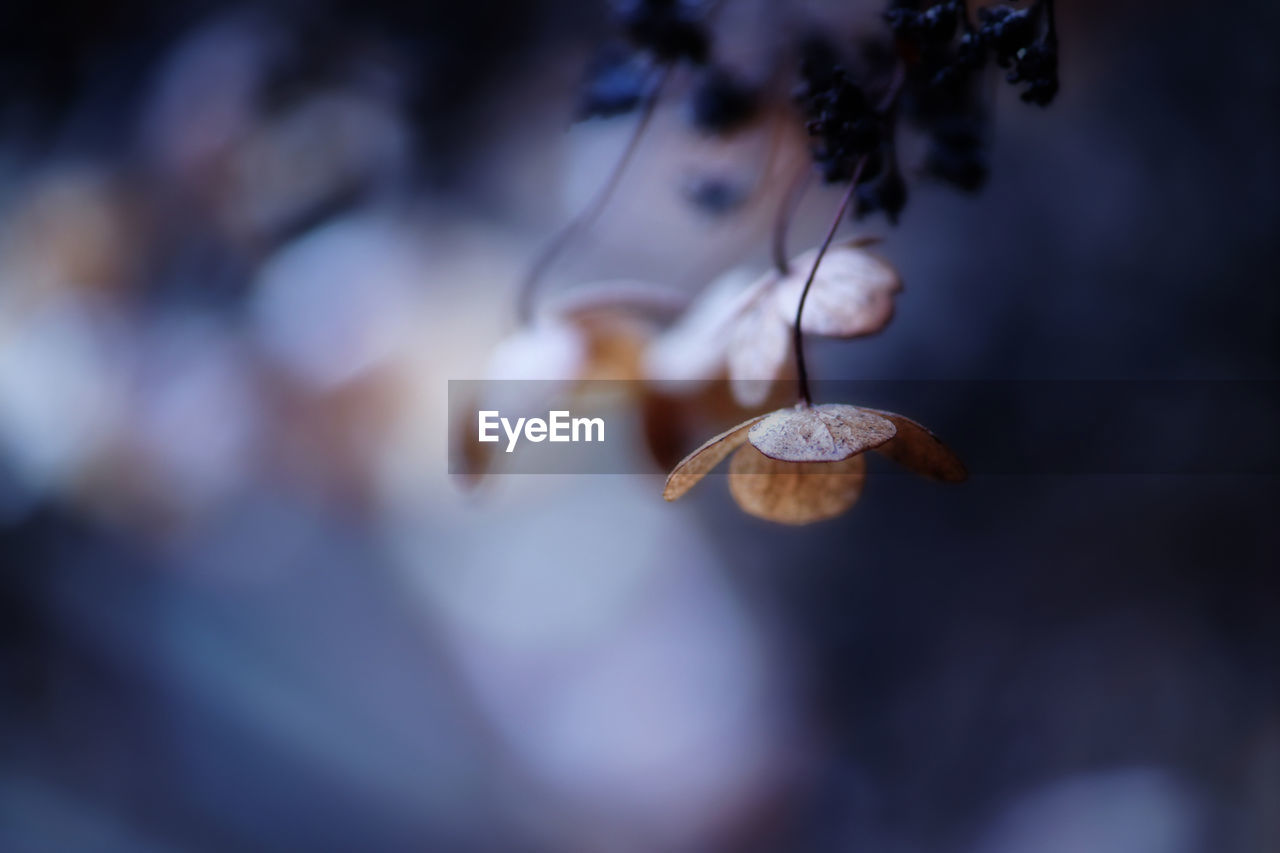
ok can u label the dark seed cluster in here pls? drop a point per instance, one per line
(839, 116)
(925, 72)
(949, 47)
(670, 30)
(1037, 66)
(722, 103)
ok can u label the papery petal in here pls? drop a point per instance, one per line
(696, 465)
(852, 293)
(532, 367)
(695, 346)
(547, 350)
(919, 450)
(758, 350)
(794, 492)
(826, 433)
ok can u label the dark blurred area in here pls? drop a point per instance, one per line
(243, 606)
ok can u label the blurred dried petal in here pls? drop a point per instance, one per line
(758, 351)
(675, 420)
(696, 465)
(918, 449)
(615, 350)
(472, 459)
(548, 350)
(852, 293)
(794, 492)
(694, 347)
(826, 433)
(532, 366)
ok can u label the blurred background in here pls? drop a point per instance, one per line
(244, 247)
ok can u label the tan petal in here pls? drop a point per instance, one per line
(826, 433)
(471, 459)
(851, 295)
(615, 348)
(794, 492)
(758, 352)
(919, 450)
(696, 465)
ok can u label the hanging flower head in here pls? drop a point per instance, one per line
(744, 332)
(807, 463)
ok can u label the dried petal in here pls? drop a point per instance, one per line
(919, 450)
(696, 465)
(472, 459)
(530, 368)
(826, 433)
(794, 492)
(694, 347)
(758, 352)
(547, 350)
(615, 347)
(852, 293)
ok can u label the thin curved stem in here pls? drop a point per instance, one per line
(786, 212)
(542, 262)
(797, 336)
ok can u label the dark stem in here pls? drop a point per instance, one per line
(782, 222)
(797, 337)
(542, 262)
(1052, 34)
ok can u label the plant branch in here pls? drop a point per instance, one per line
(797, 336)
(542, 262)
(786, 212)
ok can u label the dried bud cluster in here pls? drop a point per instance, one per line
(838, 113)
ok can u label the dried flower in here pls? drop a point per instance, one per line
(746, 331)
(804, 464)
